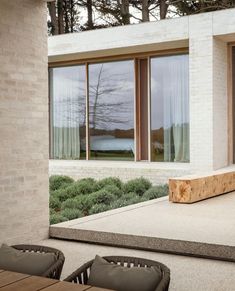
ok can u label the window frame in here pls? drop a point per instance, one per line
(50, 108)
(150, 111)
(133, 57)
(134, 104)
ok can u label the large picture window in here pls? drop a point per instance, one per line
(111, 110)
(68, 113)
(126, 110)
(170, 109)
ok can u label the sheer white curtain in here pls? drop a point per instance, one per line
(175, 91)
(66, 137)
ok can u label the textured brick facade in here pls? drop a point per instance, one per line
(220, 104)
(124, 170)
(23, 121)
(207, 36)
(201, 91)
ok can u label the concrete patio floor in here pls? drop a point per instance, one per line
(187, 274)
(161, 225)
(209, 221)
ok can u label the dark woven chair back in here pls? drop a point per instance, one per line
(55, 270)
(81, 275)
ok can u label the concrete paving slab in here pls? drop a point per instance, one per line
(210, 221)
(187, 274)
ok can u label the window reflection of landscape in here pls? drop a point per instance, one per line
(111, 110)
(110, 124)
(68, 112)
(170, 109)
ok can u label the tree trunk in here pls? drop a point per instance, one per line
(96, 97)
(66, 17)
(124, 8)
(145, 11)
(54, 22)
(163, 9)
(71, 8)
(90, 24)
(60, 16)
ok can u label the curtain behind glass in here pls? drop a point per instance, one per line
(171, 91)
(68, 97)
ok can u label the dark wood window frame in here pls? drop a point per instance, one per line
(142, 116)
(142, 109)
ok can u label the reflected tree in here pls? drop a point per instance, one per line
(107, 106)
(106, 112)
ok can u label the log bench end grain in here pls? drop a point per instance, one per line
(190, 189)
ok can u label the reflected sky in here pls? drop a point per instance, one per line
(111, 95)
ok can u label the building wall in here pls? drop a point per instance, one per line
(23, 121)
(201, 91)
(207, 36)
(123, 170)
(208, 93)
(220, 104)
(151, 36)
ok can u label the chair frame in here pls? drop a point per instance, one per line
(81, 275)
(54, 272)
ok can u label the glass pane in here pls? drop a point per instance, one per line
(68, 112)
(111, 110)
(170, 108)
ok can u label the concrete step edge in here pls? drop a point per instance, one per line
(156, 244)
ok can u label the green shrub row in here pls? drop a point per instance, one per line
(71, 200)
(57, 182)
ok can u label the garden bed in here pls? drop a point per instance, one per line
(71, 199)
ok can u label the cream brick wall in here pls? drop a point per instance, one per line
(220, 104)
(207, 36)
(208, 95)
(155, 172)
(201, 91)
(131, 38)
(23, 121)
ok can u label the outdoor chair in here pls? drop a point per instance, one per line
(54, 271)
(81, 275)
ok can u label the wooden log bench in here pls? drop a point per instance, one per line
(193, 188)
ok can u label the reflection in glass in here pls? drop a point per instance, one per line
(111, 110)
(170, 109)
(68, 112)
